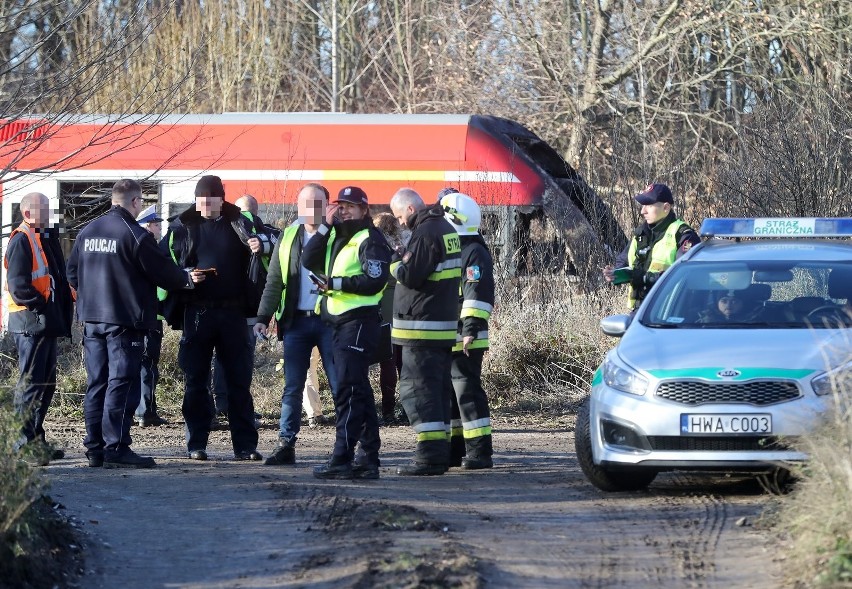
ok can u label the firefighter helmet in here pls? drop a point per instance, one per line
(462, 212)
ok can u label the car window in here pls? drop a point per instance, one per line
(743, 295)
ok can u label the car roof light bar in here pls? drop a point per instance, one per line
(777, 227)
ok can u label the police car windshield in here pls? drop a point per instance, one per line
(753, 295)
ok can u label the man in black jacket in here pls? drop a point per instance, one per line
(116, 266)
(38, 299)
(211, 238)
(425, 317)
(352, 258)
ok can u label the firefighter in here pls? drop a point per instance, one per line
(115, 267)
(425, 319)
(656, 243)
(470, 434)
(350, 259)
(38, 299)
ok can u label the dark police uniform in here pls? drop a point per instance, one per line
(213, 317)
(355, 256)
(471, 419)
(116, 266)
(425, 319)
(38, 298)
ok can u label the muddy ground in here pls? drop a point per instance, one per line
(532, 521)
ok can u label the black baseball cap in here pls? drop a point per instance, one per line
(352, 194)
(653, 194)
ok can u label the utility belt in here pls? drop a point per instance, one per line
(302, 313)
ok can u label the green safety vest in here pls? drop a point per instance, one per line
(346, 263)
(663, 255)
(284, 248)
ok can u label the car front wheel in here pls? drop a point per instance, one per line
(628, 479)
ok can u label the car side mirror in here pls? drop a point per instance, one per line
(615, 325)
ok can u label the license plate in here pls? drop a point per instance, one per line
(725, 423)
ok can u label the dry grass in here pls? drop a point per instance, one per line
(817, 516)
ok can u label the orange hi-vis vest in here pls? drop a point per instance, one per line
(42, 280)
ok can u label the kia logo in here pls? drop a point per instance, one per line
(728, 373)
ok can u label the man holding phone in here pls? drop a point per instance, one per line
(350, 259)
(290, 295)
(211, 238)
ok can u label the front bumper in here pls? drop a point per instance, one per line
(629, 430)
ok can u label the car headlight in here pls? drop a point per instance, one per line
(619, 376)
(833, 381)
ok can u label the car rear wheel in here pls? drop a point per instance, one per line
(628, 479)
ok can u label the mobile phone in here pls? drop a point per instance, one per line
(316, 279)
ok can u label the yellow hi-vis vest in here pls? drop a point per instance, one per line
(41, 278)
(346, 263)
(663, 255)
(284, 248)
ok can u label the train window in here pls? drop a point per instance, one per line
(85, 201)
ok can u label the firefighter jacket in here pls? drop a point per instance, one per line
(281, 294)
(425, 304)
(116, 268)
(193, 241)
(354, 256)
(477, 292)
(37, 293)
(653, 249)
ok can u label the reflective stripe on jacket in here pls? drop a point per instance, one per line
(41, 279)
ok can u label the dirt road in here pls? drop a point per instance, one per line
(532, 521)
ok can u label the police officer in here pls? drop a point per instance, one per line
(425, 318)
(38, 299)
(656, 243)
(291, 297)
(146, 412)
(116, 266)
(351, 258)
(211, 237)
(470, 438)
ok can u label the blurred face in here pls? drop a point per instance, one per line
(729, 306)
(37, 214)
(351, 212)
(209, 206)
(401, 213)
(311, 205)
(655, 212)
(155, 229)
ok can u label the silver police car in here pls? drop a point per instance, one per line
(731, 356)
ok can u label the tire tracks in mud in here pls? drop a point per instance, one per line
(532, 521)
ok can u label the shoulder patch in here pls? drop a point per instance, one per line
(374, 268)
(472, 274)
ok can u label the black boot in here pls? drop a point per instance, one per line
(419, 469)
(335, 469)
(479, 453)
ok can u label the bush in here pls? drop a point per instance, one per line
(817, 516)
(546, 344)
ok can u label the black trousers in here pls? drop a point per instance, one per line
(425, 390)
(113, 358)
(354, 404)
(471, 418)
(222, 330)
(150, 374)
(36, 383)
